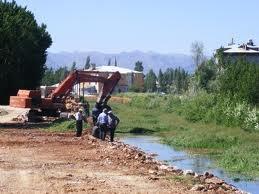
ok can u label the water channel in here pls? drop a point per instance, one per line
(186, 161)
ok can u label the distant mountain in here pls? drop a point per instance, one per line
(151, 60)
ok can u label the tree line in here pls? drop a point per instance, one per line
(237, 79)
(173, 81)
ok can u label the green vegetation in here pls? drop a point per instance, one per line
(240, 79)
(61, 126)
(52, 76)
(172, 81)
(23, 45)
(87, 63)
(139, 66)
(197, 124)
(150, 82)
(215, 113)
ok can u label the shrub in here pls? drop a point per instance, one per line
(203, 107)
(195, 108)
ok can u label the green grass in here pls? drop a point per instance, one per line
(61, 125)
(233, 148)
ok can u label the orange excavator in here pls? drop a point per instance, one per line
(56, 99)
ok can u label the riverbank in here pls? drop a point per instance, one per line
(178, 158)
(232, 148)
(33, 160)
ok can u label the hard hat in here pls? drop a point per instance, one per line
(81, 109)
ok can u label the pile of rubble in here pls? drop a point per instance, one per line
(71, 103)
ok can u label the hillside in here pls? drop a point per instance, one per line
(124, 59)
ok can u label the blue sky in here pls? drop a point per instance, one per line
(165, 26)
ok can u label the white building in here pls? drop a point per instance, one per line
(128, 79)
(249, 51)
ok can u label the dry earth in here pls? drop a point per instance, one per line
(33, 161)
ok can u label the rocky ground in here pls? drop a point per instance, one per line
(33, 161)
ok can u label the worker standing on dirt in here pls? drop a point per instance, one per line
(79, 122)
(96, 112)
(113, 122)
(102, 121)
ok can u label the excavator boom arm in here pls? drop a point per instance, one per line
(79, 76)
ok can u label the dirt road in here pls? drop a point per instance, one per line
(32, 161)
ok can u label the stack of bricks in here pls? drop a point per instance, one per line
(24, 98)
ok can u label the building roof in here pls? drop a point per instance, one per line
(240, 50)
(249, 47)
(114, 69)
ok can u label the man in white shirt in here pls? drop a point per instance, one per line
(79, 122)
(102, 122)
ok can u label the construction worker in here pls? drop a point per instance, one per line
(113, 122)
(96, 112)
(79, 122)
(102, 122)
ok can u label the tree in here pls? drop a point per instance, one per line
(53, 77)
(87, 62)
(175, 80)
(241, 79)
(109, 62)
(23, 45)
(60, 74)
(197, 50)
(139, 66)
(73, 67)
(48, 78)
(205, 74)
(161, 81)
(221, 59)
(150, 82)
(115, 62)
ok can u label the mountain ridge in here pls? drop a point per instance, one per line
(150, 59)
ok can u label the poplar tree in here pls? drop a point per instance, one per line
(109, 62)
(150, 81)
(88, 62)
(23, 45)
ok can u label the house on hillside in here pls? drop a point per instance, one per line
(248, 50)
(128, 79)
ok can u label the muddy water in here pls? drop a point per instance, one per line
(186, 161)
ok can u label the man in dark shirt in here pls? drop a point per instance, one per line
(113, 122)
